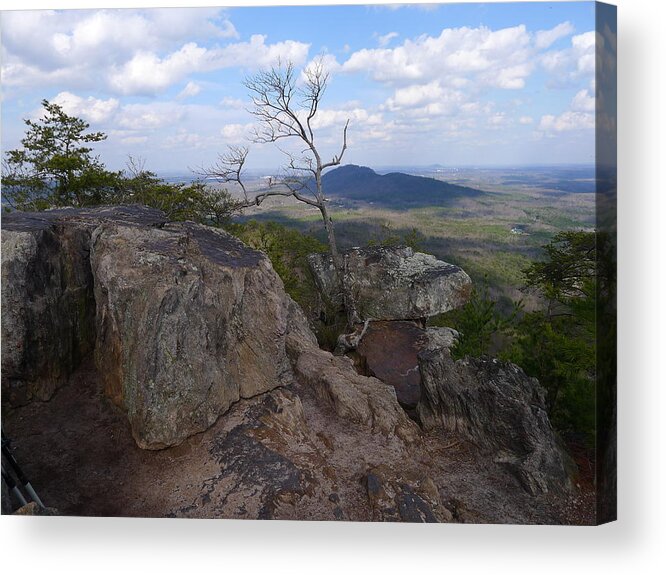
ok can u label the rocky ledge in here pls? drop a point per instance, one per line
(120, 328)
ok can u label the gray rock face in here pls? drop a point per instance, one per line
(189, 320)
(48, 307)
(499, 408)
(394, 283)
(184, 319)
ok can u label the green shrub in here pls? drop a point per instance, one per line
(479, 322)
(288, 250)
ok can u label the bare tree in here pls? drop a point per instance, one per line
(229, 168)
(286, 109)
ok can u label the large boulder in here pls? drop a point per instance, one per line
(389, 351)
(184, 319)
(189, 320)
(502, 410)
(393, 283)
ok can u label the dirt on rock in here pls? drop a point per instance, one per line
(284, 454)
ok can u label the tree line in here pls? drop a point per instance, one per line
(55, 167)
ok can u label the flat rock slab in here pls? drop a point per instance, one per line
(394, 283)
(283, 455)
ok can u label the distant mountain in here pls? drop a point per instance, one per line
(394, 190)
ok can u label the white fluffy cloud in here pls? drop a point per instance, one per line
(583, 101)
(233, 103)
(50, 40)
(572, 63)
(146, 73)
(498, 120)
(190, 90)
(545, 38)
(385, 39)
(91, 109)
(498, 58)
(425, 100)
(416, 95)
(567, 122)
(146, 117)
(358, 117)
(133, 140)
(581, 112)
(236, 132)
(128, 51)
(184, 138)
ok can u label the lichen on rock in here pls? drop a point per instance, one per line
(394, 283)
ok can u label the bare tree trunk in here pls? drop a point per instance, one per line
(330, 233)
(348, 299)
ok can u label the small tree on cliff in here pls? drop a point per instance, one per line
(55, 167)
(286, 110)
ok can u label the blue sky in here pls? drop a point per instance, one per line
(455, 84)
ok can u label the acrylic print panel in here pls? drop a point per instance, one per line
(347, 263)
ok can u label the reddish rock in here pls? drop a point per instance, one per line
(389, 351)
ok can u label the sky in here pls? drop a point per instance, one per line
(450, 84)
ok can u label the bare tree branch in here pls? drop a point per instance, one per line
(228, 168)
(135, 166)
(337, 159)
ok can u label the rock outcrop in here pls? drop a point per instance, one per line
(189, 320)
(500, 409)
(48, 306)
(180, 324)
(394, 283)
(184, 321)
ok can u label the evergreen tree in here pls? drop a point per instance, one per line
(55, 166)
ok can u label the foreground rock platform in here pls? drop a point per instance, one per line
(285, 454)
(394, 283)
